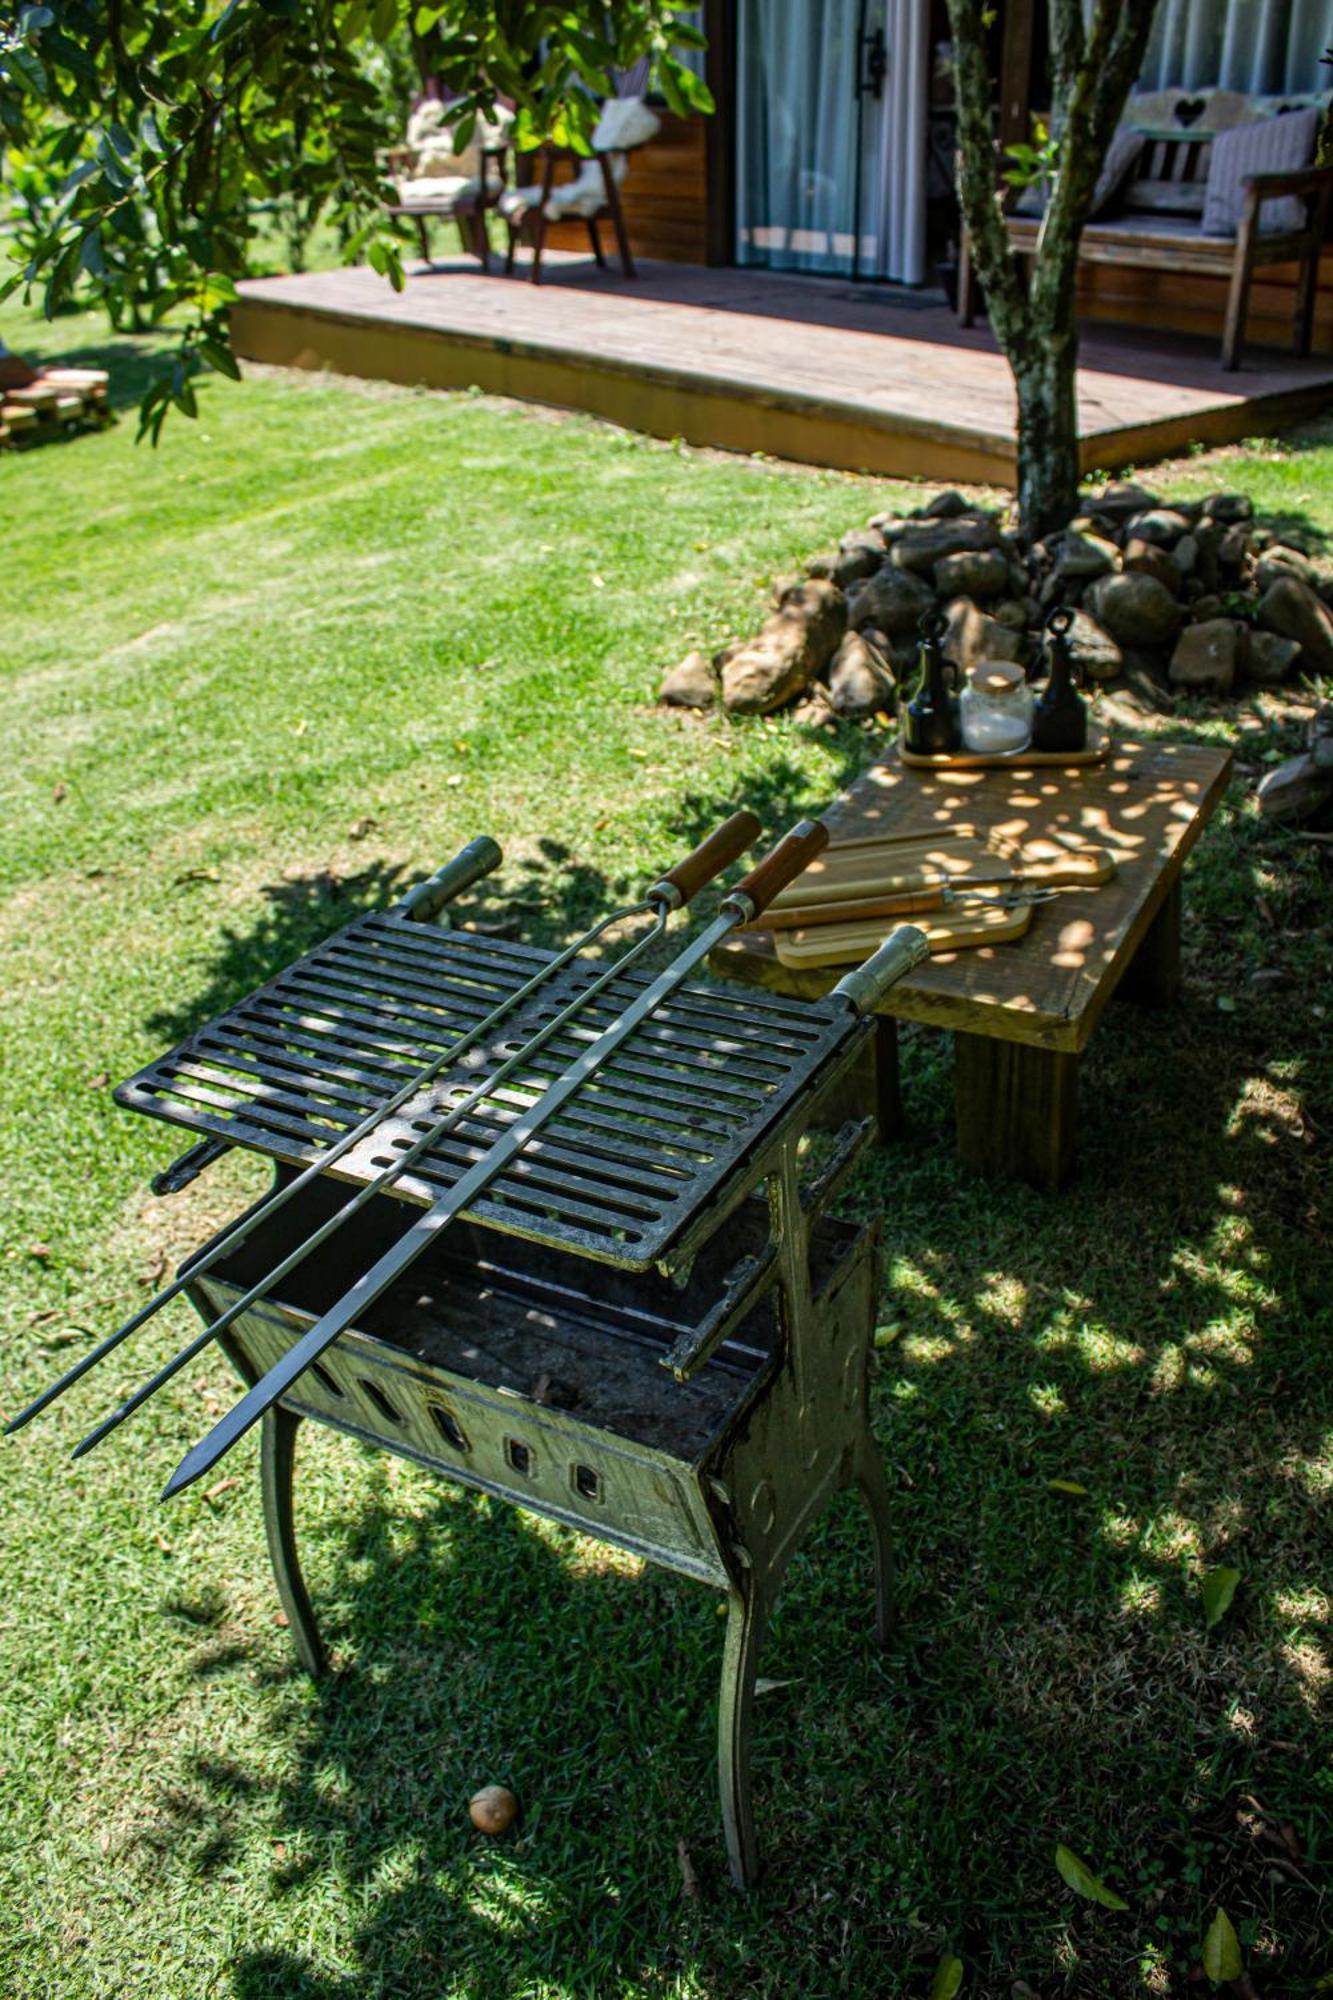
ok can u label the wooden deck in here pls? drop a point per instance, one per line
(833, 374)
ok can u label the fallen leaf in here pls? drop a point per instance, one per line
(1221, 1950)
(886, 1335)
(689, 1881)
(154, 1268)
(454, 778)
(361, 827)
(162, 1542)
(1084, 1883)
(279, 1850)
(222, 1486)
(41, 1251)
(1065, 1486)
(1225, 1004)
(599, 824)
(59, 792)
(98, 1082)
(762, 1686)
(1218, 1588)
(281, 1618)
(948, 1979)
(36, 1319)
(195, 875)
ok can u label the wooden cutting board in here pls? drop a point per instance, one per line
(867, 875)
(849, 944)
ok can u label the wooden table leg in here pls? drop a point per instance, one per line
(1016, 1109)
(1152, 977)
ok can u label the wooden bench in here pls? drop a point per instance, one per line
(1160, 229)
(1022, 1013)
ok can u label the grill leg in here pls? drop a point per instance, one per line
(747, 1619)
(873, 1486)
(277, 1463)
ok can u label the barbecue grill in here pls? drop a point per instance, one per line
(644, 1324)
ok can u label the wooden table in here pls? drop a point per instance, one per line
(1022, 1013)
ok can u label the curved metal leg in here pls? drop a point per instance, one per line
(747, 1618)
(277, 1462)
(872, 1484)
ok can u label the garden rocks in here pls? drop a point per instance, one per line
(972, 573)
(1228, 507)
(795, 644)
(1292, 610)
(1136, 610)
(972, 635)
(1093, 650)
(921, 545)
(859, 681)
(1080, 557)
(692, 684)
(1161, 526)
(1267, 659)
(1278, 562)
(894, 600)
(1146, 559)
(1205, 657)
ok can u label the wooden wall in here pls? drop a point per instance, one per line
(665, 197)
(1185, 304)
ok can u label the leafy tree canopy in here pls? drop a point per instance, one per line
(140, 134)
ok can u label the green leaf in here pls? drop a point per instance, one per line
(28, 69)
(218, 355)
(1218, 1589)
(1084, 1883)
(384, 19)
(948, 1979)
(1065, 1486)
(1221, 1950)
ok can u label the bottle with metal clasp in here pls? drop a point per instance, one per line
(1060, 716)
(930, 720)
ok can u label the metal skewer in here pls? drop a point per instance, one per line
(479, 858)
(740, 905)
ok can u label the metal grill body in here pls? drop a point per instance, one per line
(649, 1330)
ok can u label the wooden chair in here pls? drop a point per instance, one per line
(533, 221)
(468, 208)
(1161, 229)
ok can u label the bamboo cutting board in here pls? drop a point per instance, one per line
(866, 877)
(849, 944)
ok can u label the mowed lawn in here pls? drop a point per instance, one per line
(260, 680)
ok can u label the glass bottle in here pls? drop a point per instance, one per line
(1060, 718)
(930, 720)
(996, 709)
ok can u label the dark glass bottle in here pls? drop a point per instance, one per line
(930, 720)
(1060, 717)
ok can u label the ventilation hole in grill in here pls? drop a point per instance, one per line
(518, 1455)
(326, 1381)
(377, 1396)
(448, 1426)
(587, 1483)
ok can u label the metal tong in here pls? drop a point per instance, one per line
(674, 889)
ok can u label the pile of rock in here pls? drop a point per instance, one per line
(1301, 788)
(1182, 597)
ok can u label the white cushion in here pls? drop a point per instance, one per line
(1269, 146)
(625, 122)
(443, 187)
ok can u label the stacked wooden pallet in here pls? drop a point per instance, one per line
(37, 404)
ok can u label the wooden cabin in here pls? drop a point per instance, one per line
(832, 145)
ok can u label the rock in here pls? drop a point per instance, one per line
(1147, 559)
(1320, 737)
(889, 525)
(1267, 659)
(924, 543)
(972, 573)
(1136, 610)
(1229, 507)
(1148, 690)
(692, 684)
(815, 710)
(972, 636)
(1234, 547)
(1185, 554)
(1207, 606)
(822, 564)
(852, 565)
(1093, 650)
(858, 679)
(864, 538)
(1208, 536)
(894, 600)
(1016, 613)
(1082, 556)
(946, 506)
(1160, 525)
(795, 644)
(1291, 609)
(783, 586)
(1205, 657)
(1120, 501)
(1280, 561)
(1295, 790)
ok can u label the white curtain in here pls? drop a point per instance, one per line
(1266, 48)
(796, 139)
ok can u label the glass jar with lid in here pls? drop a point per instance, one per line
(996, 708)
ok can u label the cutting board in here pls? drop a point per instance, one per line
(864, 878)
(849, 944)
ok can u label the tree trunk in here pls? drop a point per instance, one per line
(1048, 454)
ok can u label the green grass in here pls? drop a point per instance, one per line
(255, 683)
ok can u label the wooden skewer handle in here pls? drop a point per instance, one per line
(683, 882)
(781, 865)
(478, 858)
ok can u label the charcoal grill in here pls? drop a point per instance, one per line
(647, 1328)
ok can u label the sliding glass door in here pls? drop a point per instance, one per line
(1261, 47)
(831, 136)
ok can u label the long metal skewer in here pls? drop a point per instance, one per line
(479, 858)
(740, 905)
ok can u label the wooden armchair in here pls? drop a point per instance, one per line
(528, 218)
(467, 205)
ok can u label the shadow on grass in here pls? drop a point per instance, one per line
(1087, 1403)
